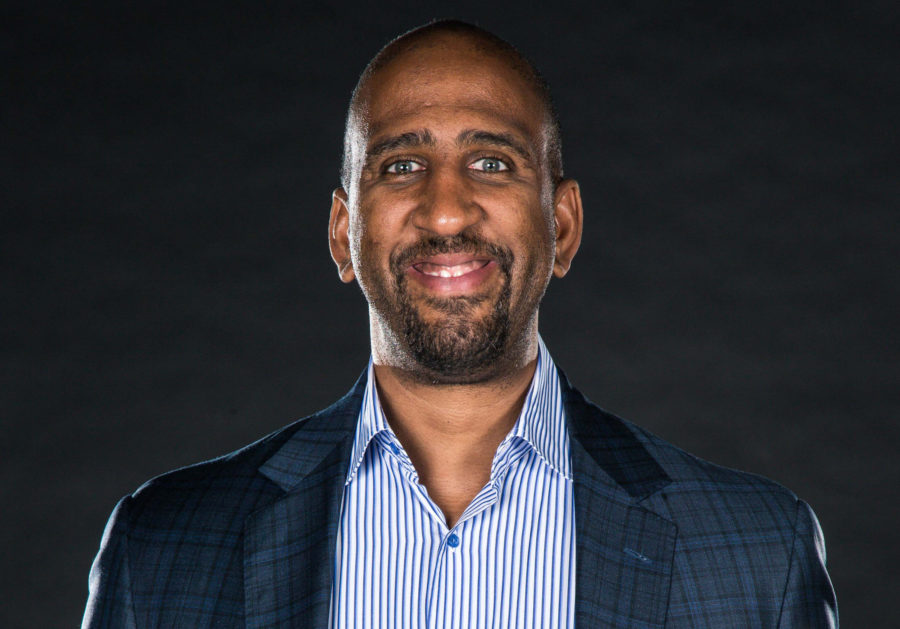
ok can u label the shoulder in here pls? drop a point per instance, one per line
(695, 494)
(183, 531)
(687, 469)
(740, 537)
(700, 492)
(232, 486)
(698, 482)
(644, 463)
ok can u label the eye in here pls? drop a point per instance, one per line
(404, 167)
(489, 165)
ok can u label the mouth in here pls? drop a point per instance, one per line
(449, 270)
(455, 273)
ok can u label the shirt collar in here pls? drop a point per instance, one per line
(541, 423)
(371, 422)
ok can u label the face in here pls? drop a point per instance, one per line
(451, 225)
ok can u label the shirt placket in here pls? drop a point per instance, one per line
(452, 592)
(449, 581)
(444, 580)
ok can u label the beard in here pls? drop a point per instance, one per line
(459, 345)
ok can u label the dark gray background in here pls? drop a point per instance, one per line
(168, 295)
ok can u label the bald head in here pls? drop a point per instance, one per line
(457, 34)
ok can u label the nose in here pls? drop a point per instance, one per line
(447, 206)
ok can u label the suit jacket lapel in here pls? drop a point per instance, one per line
(289, 544)
(624, 551)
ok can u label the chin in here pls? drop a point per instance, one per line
(464, 349)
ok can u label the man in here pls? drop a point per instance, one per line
(463, 482)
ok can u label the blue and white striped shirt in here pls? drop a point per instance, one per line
(508, 562)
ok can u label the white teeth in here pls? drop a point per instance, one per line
(437, 270)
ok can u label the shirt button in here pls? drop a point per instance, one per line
(453, 540)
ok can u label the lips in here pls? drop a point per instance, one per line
(449, 270)
(452, 273)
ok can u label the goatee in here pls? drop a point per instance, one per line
(461, 347)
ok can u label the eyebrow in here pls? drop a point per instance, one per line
(407, 140)
(504, 140)
(414, 139)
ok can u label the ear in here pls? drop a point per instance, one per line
(568, 214)
(339, 235)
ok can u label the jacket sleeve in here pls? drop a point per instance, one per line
(808, 599)
(109, 600)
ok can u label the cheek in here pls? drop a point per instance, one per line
(380, 216)
(363, 232)
(538, 247)
(370, 246)
(535, 228)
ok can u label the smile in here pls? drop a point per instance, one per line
(454, 270)
(453, 274)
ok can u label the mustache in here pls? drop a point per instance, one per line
(460, 243)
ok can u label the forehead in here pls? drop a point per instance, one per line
(449, 78)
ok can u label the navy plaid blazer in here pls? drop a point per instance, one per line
(663, 539)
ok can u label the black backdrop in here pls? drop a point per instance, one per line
(168, 296)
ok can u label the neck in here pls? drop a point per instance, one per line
(451, 431)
